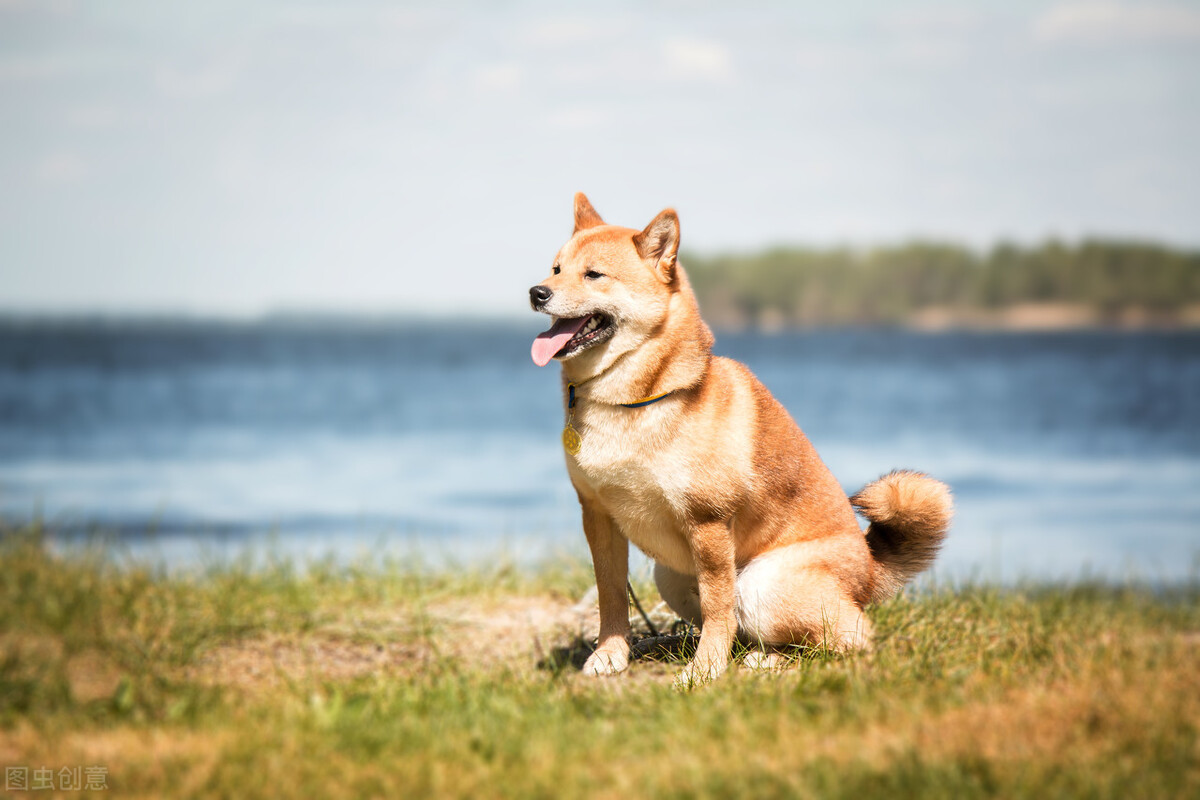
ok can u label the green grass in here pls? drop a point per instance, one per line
(393, 680)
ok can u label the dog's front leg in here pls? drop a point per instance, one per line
(712, 548)
(610, 559)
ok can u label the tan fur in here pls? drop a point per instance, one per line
(751, 533)
(910, 514)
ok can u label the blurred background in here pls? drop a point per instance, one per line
(263, 268)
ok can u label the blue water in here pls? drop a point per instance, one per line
(1070, 454)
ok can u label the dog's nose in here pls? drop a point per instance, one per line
(539, 295)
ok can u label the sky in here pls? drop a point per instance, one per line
(244, 158)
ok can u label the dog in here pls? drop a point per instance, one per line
(688, 456)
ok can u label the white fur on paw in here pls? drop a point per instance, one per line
(764, 662)
(697, 673)
(606, 662)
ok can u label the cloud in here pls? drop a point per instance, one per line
(942, 21)
(1103, 22)
(18, 69)
(579, 117)
(206, 80)
(95, 116)
(505, 77)
(57, 8)
(566, 32)
(697, 60)
(59, 168)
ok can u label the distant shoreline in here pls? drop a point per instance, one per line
(1018, 318)
(925, 285)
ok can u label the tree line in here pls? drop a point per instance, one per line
(1107, 281)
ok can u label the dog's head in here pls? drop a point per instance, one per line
(609, 290)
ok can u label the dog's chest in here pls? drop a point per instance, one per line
(632, 462)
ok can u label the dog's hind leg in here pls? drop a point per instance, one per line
(680, 591)
(783, 599)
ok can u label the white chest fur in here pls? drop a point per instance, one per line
(631, 462)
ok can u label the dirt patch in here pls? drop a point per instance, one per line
(517, 633)
(92, 676)
(509, 632)
(280, 660)
(179, 758)
(506, 632)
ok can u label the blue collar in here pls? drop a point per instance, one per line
(645, 401)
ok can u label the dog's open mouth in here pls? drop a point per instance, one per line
(571, 336)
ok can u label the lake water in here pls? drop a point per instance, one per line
(1069, 454)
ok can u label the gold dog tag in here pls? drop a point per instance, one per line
(571, 441)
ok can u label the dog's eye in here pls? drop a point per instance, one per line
(591, 275)
(557, 269)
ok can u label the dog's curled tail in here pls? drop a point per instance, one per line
(909, 513)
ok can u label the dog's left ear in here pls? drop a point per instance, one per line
(659, 244)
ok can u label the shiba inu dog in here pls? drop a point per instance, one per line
(689, 457)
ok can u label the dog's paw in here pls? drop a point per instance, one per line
(759, 661)
(606, 662)
(697, 673)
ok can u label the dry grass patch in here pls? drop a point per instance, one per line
(289, 683)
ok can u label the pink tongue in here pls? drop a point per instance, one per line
(550, 342)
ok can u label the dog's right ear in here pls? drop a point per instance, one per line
(585, 215)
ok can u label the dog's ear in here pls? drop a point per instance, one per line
(585, 215)
(659, 244)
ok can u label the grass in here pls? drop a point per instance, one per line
(389, 680)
